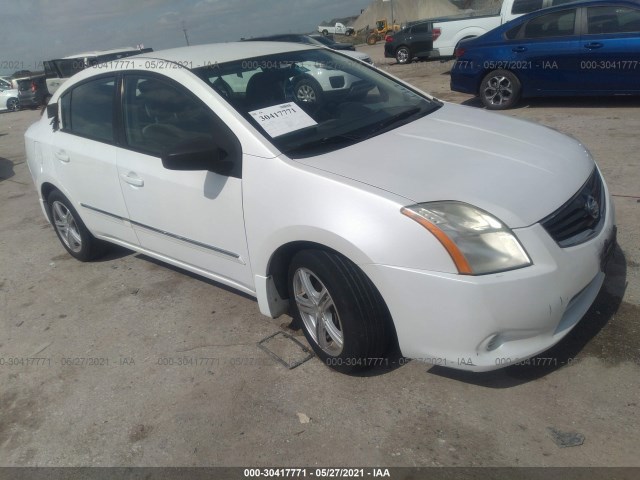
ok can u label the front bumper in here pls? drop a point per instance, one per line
(483, 323)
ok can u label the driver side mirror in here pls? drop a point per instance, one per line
(198, 154)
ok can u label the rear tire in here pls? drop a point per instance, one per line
(13, 104)
(500, 90)
(372, 39)
(325, 33)
(403, 55)
(341, 313)
(71, 230)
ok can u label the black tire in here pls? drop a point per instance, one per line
(77, 240)
(325, 33)
(356, 310)
(499, 90)
(403, 55)
(348, 33)
(308, 92)
(13, 104)
(372, 39)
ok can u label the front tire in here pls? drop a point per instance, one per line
(403, 55)
(500, 90)
(340, 311)
(71, 230)
(308, 92)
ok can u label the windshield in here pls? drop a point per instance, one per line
(314, 101)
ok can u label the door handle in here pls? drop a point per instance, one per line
(62, 156)
(519, 49)
(132, 179)
(593, 45)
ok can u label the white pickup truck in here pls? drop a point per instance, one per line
(449, 31)
(338, 29)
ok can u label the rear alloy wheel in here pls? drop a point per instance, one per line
(500, 90)
(403, 55)
(340, 311)
(71, 231)
(13, 104)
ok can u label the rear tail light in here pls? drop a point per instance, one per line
(388, 38)
(459, 52)
(436, 33)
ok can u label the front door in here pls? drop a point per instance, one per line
(194, 217)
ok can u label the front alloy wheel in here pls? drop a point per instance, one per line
(318, 311)
(500, 90)
(341, 312)
(306, 92)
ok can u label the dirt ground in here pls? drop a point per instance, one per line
(145, 402)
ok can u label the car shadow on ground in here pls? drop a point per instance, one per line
(584, 341)
(567, 102)
(6, 167)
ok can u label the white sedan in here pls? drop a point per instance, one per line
(9, 99)
(479, 243)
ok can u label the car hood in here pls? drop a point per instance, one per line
(517, 170)
(356, 55)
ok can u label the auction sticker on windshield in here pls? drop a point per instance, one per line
(281, 119)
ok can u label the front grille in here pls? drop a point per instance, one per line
(582, 217)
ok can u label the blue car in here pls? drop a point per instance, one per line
(580, 48)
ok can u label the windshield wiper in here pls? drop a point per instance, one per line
(383, 125)
(321, 142)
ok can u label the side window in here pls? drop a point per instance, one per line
(557, 24)
(555, 3)
(421, 28)
(612, 20)
(159, 115)
(526, 6)
(87, 109)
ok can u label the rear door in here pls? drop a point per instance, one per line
(83, 153)
(421, 39)
(611, 49)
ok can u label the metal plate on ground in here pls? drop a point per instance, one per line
(285, 349)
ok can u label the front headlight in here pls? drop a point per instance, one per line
(478, 242)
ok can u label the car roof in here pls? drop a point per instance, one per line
(97, 53)
(497, 32)
(277, 35)
(206, 55)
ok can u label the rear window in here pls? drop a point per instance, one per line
(513, 33)
(556, 24)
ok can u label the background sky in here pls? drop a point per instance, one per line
(37, 30)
